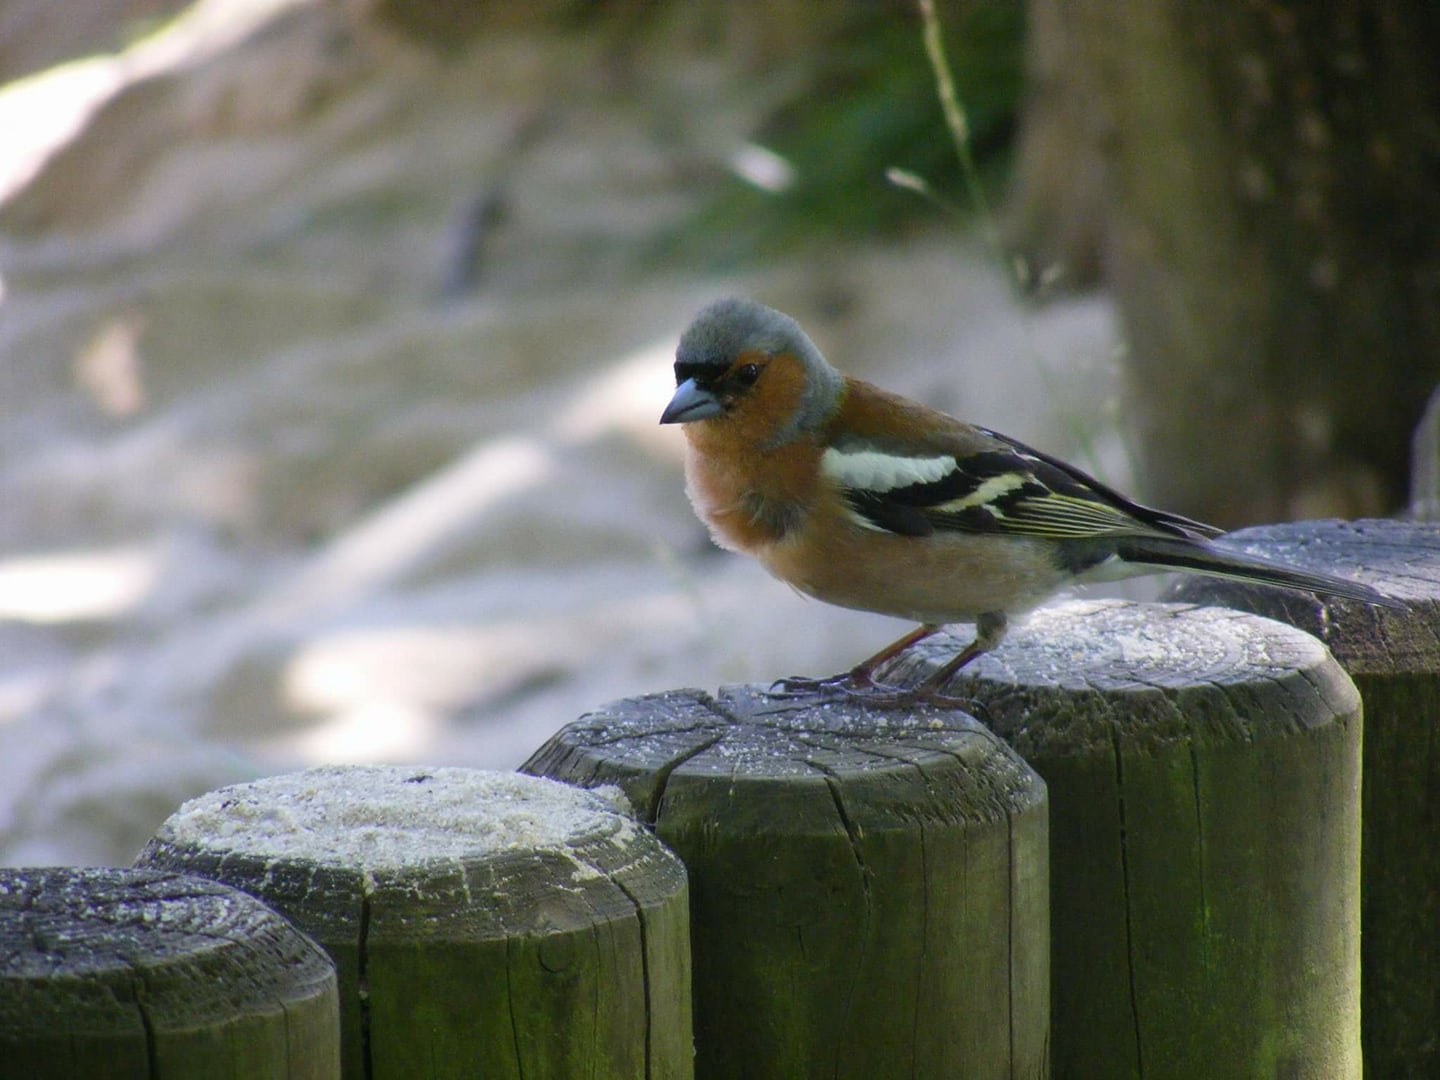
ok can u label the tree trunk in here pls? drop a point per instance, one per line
(1270, 230)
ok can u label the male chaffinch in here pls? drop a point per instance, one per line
(867, 500)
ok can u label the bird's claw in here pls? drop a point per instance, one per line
(800, 686)
(864, 690)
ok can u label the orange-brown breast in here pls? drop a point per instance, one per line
(750, 494)
(751, 500)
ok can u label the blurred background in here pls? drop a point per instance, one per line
(334, 334)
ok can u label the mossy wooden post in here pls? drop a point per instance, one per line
(1204, 776)
(483, 924)
(869, 888)
(1394, 658)
(134, 973)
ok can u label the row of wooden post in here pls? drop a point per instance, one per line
(1141, 855)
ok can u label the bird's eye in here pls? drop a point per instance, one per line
(746, 374)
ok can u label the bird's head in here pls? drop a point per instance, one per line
(752, 369)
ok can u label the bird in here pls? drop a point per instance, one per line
(864, 499)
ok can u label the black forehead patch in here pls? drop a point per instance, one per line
(705, 373)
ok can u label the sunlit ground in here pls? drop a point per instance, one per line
(43, 113)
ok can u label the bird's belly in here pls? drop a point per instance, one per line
(941, 578)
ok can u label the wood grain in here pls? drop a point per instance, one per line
(1394, 658)
(483, 924)
(869, 887)
(1203, 768)
(142, 973)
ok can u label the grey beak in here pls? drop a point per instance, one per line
(690, 403)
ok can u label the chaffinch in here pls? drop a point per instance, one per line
(867, 500)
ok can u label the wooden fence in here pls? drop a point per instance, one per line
(1141, 855)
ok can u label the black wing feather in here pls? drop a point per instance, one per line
(1029, 494)
(1160, 520)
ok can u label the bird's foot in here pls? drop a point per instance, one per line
(859, 687)
(795, 686)
(880, 696)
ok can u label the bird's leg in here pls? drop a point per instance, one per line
(861, 676)
(859, 681)
(990, 630)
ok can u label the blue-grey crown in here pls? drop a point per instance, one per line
(726, 328)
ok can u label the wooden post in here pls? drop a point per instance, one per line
(1394, 658)
(483, 924)
(1204, 777)
(133, 973)
(869, 888)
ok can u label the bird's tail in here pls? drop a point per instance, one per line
(1205, 557)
